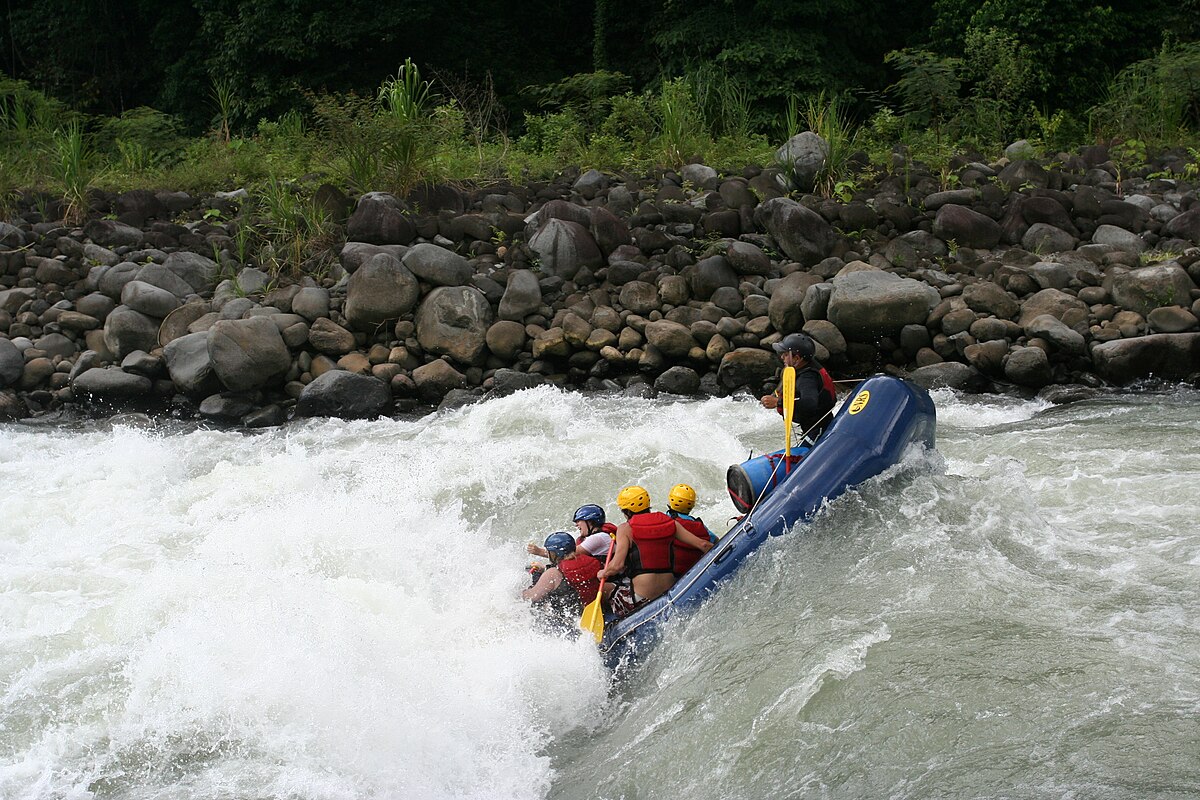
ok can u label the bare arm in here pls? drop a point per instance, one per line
(546, 584)
(535, 550)
(620, 552)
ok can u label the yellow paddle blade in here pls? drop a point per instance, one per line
(789, 407)
(593, 619)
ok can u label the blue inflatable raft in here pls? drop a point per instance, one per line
(870, 433)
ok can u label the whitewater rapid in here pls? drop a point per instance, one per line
(329, 610)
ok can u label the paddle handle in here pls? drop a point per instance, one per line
(789, 407)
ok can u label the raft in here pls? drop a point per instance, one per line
(872, 431)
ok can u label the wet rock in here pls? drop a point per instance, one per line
(1028, 366)
(225, 406)
(269, 416)
(1149, 287)
(189, 364)
(435, 379)
(327, 337)
(382, 289)
(522, 296)
(126, 330)
(508, 381)
(12, 364)
(1171, 319)
(1164, 355)
(111, 383)
(247, 353)
(946, 375)
(967, 227)
(747, 367)
(678, 380)
(454, 321)
(338, 393)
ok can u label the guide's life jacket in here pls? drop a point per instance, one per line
(580, 574)
(685, 555)
(653, 533)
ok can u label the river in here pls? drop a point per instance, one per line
(329, 610)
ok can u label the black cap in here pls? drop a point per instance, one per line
(795, 343)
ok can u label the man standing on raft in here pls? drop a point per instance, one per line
(815, 395)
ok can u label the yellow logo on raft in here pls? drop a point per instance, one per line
(860, 401)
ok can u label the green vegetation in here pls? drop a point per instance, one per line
(288, 93)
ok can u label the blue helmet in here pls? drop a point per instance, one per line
(589, 513)
(560, 544)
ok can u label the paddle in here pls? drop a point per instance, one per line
(593, 618)
(789, 407)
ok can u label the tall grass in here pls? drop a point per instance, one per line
(296, 231)
(71, 168)
(1155, 100)
(828, 117)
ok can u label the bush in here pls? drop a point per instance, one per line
(1157, 99)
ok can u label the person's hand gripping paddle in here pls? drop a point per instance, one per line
(593, 617)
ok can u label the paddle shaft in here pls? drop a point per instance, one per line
(596, 622)
(789, 407)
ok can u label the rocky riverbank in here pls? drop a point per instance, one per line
(983, 277)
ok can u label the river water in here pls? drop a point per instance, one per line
(329, 611)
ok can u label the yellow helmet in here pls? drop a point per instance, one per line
(633, 498)
(682, 498)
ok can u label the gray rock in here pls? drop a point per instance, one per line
(747, 259)
(1171, 319)
(111, 383)
(1020, 149)
(247, 353)
(564, 247)
(522, 296)
(816, 301)
(55, 344)
(343, 394)
(148, 299)
(113, 281)
(678, 380)
(252, 281)
(988, 298)
(158, 275)
(435, 379)
(197, 271)
(111, 233)
(327, 337)
(987, 357)
(95, 305)
(590, 184)
(1028, 366)
(11, 300)
(126, 330)
(1043, 238)
(189, 365)
(699, 175)
(1050, 274)
(380, 290)
(1163, 355)
(12, 364)
(354, 254)
(639, 297)
(785, 309)
(11, 407)
(437, 265)
(379, 218)
(269, 416)
(508, 381)
(1185, 226)
(100, 255)
(946, 375)
(867, 304)
(1056, 333)
(177, 322)
(225, 406)
(958, 197)
(710, 274)
(747, 366)
(311, 302)
(1119, 238)
(800, 232)
(505, 339)
(672, 339)
(1056, 303)
(966, 227)
(802, 158)
(454, 321)
(1149, 287)
(11, 237)
(236, 307)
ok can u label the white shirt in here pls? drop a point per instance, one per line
(596, 545)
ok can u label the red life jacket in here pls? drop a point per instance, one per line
(580, 574)
(653, 533)
(685, 554)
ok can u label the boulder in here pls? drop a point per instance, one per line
(126, 330)
(379, 218)
(1163, 355)
(12, 364)
(564, 247)
(1185, 225)
(966, 227)
(522, 296)
(609, 230)
(946, 375)
(11, 300)
(747, 366)
(867, 304)
(247, 353)
(1149, 287)
(747, 259)
(827, 335)
(816, 301)
(382, 289)
(803, 234)
(802, 158)
(197, 271)
(454, 321)
(148, 299)
(158, 275)
(177, 322)
(55, 344)
(189, 365)
(311, 302)
(111, 233)
(435, 379)
(678, 380)
(505, 339)
(1056, 303)
(227, 406)
(1119, 238)
(1171, 319)
(786, 306)
(437, 265)
(639, 297)
(327, 337)
(1043, 239)
(1056, 333)
(111, 383)
(671, 338)
(507, 381)
(338, 393)
(1028, 366)
(710, 274)
(113, 279)
(354, 254)
(986, 297)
